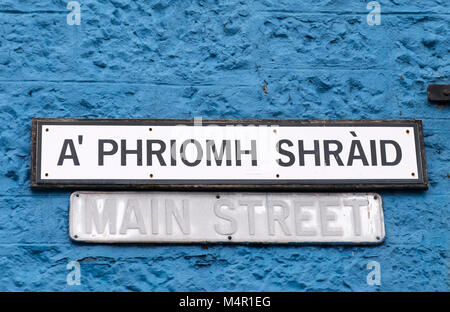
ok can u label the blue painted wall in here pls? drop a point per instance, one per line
(182, 59)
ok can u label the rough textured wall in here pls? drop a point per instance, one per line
(221, 59)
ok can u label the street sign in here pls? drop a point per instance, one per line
(176, 217)
(228, 154)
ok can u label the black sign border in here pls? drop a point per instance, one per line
(266, 185)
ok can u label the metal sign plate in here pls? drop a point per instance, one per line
(228, 154)
(170, 217)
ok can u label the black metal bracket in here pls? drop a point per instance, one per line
(439, 93)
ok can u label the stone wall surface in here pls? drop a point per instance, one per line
(221, 59)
